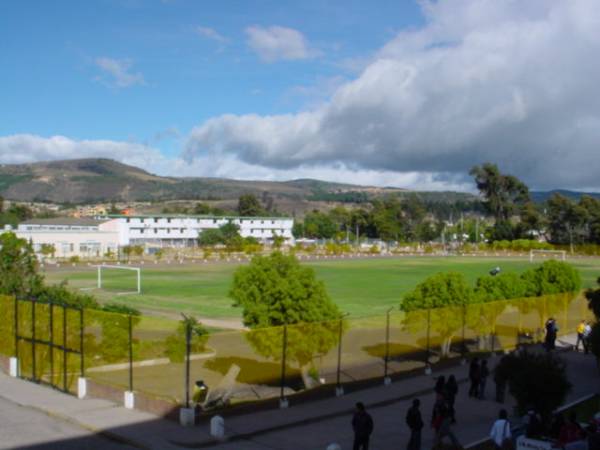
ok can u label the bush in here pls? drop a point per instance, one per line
(536, 380)
(175, 344)
(552, 277)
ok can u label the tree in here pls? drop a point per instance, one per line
(502, 194)
(210, 237)
(551, 277)
(524, 370)
(248, 205)
(48, 250)
(1, 204)
(175, 344)
(566, 220)
(442, 290)
(18, 267)
(276, 290)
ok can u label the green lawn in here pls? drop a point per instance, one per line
(360, 287)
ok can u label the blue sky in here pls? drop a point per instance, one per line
(52, 82)
(404, 93)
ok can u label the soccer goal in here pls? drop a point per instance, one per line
(120, 278)
(557, 254)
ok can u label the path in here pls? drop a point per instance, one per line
(310, 425)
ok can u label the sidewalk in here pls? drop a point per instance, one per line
(310, 425)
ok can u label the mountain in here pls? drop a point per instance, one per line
(101, 180)
(542, 196)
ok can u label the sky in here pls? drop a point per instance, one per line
(390, 93)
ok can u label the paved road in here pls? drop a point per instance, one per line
(26, 428)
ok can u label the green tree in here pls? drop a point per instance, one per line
(114, 322)
(248, 205)
(502, 195)
(566, 221)
(210, 237)
(175, 344)
(48, 250)
(442, 290)
(551, 277)
(276, 290)
(524, 370)
(18, 267)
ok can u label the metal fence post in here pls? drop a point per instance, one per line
(428, 337)
(339, 390)
(51, 344)
(82, 362)
(130, 326)
(33, 368)
(464, 326)
(188, 345)
(16, 328)
(64, 348)
(386, 379)
(282, 400)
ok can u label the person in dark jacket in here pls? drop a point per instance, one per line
(484, 373)
(501, 381)
(440, 385)
(551, 332)
(450, 392)
(474, 377)
(362, 425)
(415, 423)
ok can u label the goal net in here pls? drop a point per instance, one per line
(122, 279)
(545, 254)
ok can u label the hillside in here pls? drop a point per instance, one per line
(104, 180)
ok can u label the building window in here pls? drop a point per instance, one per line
(156, 220)
(169, 220)
(168, 231)
(142, 231)
(128, 220)
(155, 230)
(182, 230)
(214, 220)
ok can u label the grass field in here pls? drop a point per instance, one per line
(360, 287)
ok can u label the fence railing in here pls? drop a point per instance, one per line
(55, 345)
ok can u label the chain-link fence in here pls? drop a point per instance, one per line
(151, 355)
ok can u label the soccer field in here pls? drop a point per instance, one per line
(360, 287)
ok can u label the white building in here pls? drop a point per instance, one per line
(183, 231)
(86, 237)
(71, 236)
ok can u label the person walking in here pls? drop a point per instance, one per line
(587, 334)
(500, 433)
(362, 425)
(450, 392)
(415, 423)
(474, 377)
(580, 336)
(551, 332)
(484, 373)
(445, 430)
(440, 385)
(500, 380)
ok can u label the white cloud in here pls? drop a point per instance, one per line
(117, 72)
(278, 43)
(503, 81)
(28, 148)
(212, 34)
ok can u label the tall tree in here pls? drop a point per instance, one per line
(248, 205)
(503, 194)
(18, 267)
(566, 220)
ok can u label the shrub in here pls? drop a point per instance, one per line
(552, 277)
(536, 380)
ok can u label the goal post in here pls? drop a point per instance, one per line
(559, 254)
(137, 270)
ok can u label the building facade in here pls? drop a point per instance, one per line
(70, 236)
(183, 231)
(92, 238)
